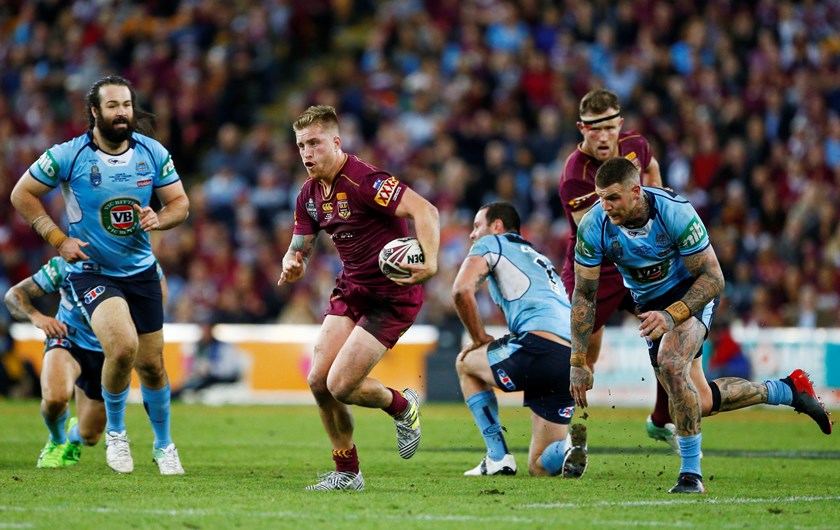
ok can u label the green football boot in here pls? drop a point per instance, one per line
(52, 455)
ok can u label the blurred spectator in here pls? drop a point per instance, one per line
(212, 362)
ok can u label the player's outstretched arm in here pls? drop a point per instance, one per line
(651, 176)
(296, 258)
(583, 322)
(18, 300)
(427, 226)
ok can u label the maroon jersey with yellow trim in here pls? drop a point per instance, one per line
(577, 182)
(359, 214)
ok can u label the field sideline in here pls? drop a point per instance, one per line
(246, 467)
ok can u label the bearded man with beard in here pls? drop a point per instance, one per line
(107, 177)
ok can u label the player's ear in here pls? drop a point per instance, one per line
(337, 141)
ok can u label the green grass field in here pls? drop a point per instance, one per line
(247, 466)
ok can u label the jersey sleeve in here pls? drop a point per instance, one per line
(588, 248)
(50, 169)
(691, 234)
(51, 275)
(166, 173)
(577, 194)
(304, 223)
(489, 248)
(382, 192)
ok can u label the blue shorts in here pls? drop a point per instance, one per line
(141, 292)
(538, 367)
(90, 361)
(658, 304)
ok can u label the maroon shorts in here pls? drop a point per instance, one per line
(612, 294)
(386, 316)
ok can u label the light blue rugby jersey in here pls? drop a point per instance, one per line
(525, 285)
(649, 258)
(100, 190)
(51, 278)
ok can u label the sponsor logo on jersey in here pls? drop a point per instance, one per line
(343, 235)
(59, 342)
(144, 182)
(651, 274)
(566, 412)
(583, 248)
(387, 191)
(692, 235)
(117, 216)
(311, 210)
(377, 184)
(505, 379)
(95, 176)
(643, 250)
(94, 293)
(90, 266)
(142, 168)
(168, 168)
(327, 207)
(48, 165)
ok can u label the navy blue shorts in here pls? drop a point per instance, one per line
(90, 361)
(141, 292)
(705, 315)
(538, 367)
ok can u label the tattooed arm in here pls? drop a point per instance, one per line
(296, 258)
(19, 301)
(583, 321)
(473, 273)
(708, 283)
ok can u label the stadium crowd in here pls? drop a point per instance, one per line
(468, 101)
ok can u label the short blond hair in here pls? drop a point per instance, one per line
(599, 101)
(323, 115)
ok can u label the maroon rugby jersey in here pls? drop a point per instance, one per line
(577, 182)
(359, 214)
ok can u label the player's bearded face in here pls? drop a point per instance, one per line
(117, 129)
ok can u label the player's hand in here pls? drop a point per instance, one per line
(580, 380)
(71, 250)
(655, 324)
(292, 269)
(51, 327)
(419, 274)
(148, 218)
(487, 339)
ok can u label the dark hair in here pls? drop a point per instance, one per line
(505, 212)
(617, 170)
(599, 101)
(144, 121)
(323, 115)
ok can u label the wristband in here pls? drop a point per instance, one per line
(56, 237)
(578, 360)
(47, 229)
(679, 311)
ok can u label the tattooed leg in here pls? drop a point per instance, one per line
(676, 353)
(737, 393)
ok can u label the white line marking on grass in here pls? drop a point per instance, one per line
(681, 501)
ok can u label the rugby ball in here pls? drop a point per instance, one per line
(398, 253)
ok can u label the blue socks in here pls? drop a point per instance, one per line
(485, 411)
(553, 456)
(778, 392)
(73, 435)
(690, 453)
(56, 427)
(115, 410)
(156, 403)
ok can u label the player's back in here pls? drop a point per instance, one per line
(525, 285)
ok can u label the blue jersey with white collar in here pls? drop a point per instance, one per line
(100, 190)
(650, 257)
(525, 285)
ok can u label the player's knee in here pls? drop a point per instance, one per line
(122, 357)
(341, 389)
(54, 403)
(90, 438)
(671, 368)
(317, 384)
(150, 371)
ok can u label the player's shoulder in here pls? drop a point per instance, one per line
(593, 218)
(73, 145)
(149, 143)
(488, 243)
(632, 138)
(666, 199)
(576, 164)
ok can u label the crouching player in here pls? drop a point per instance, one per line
(533, 358)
